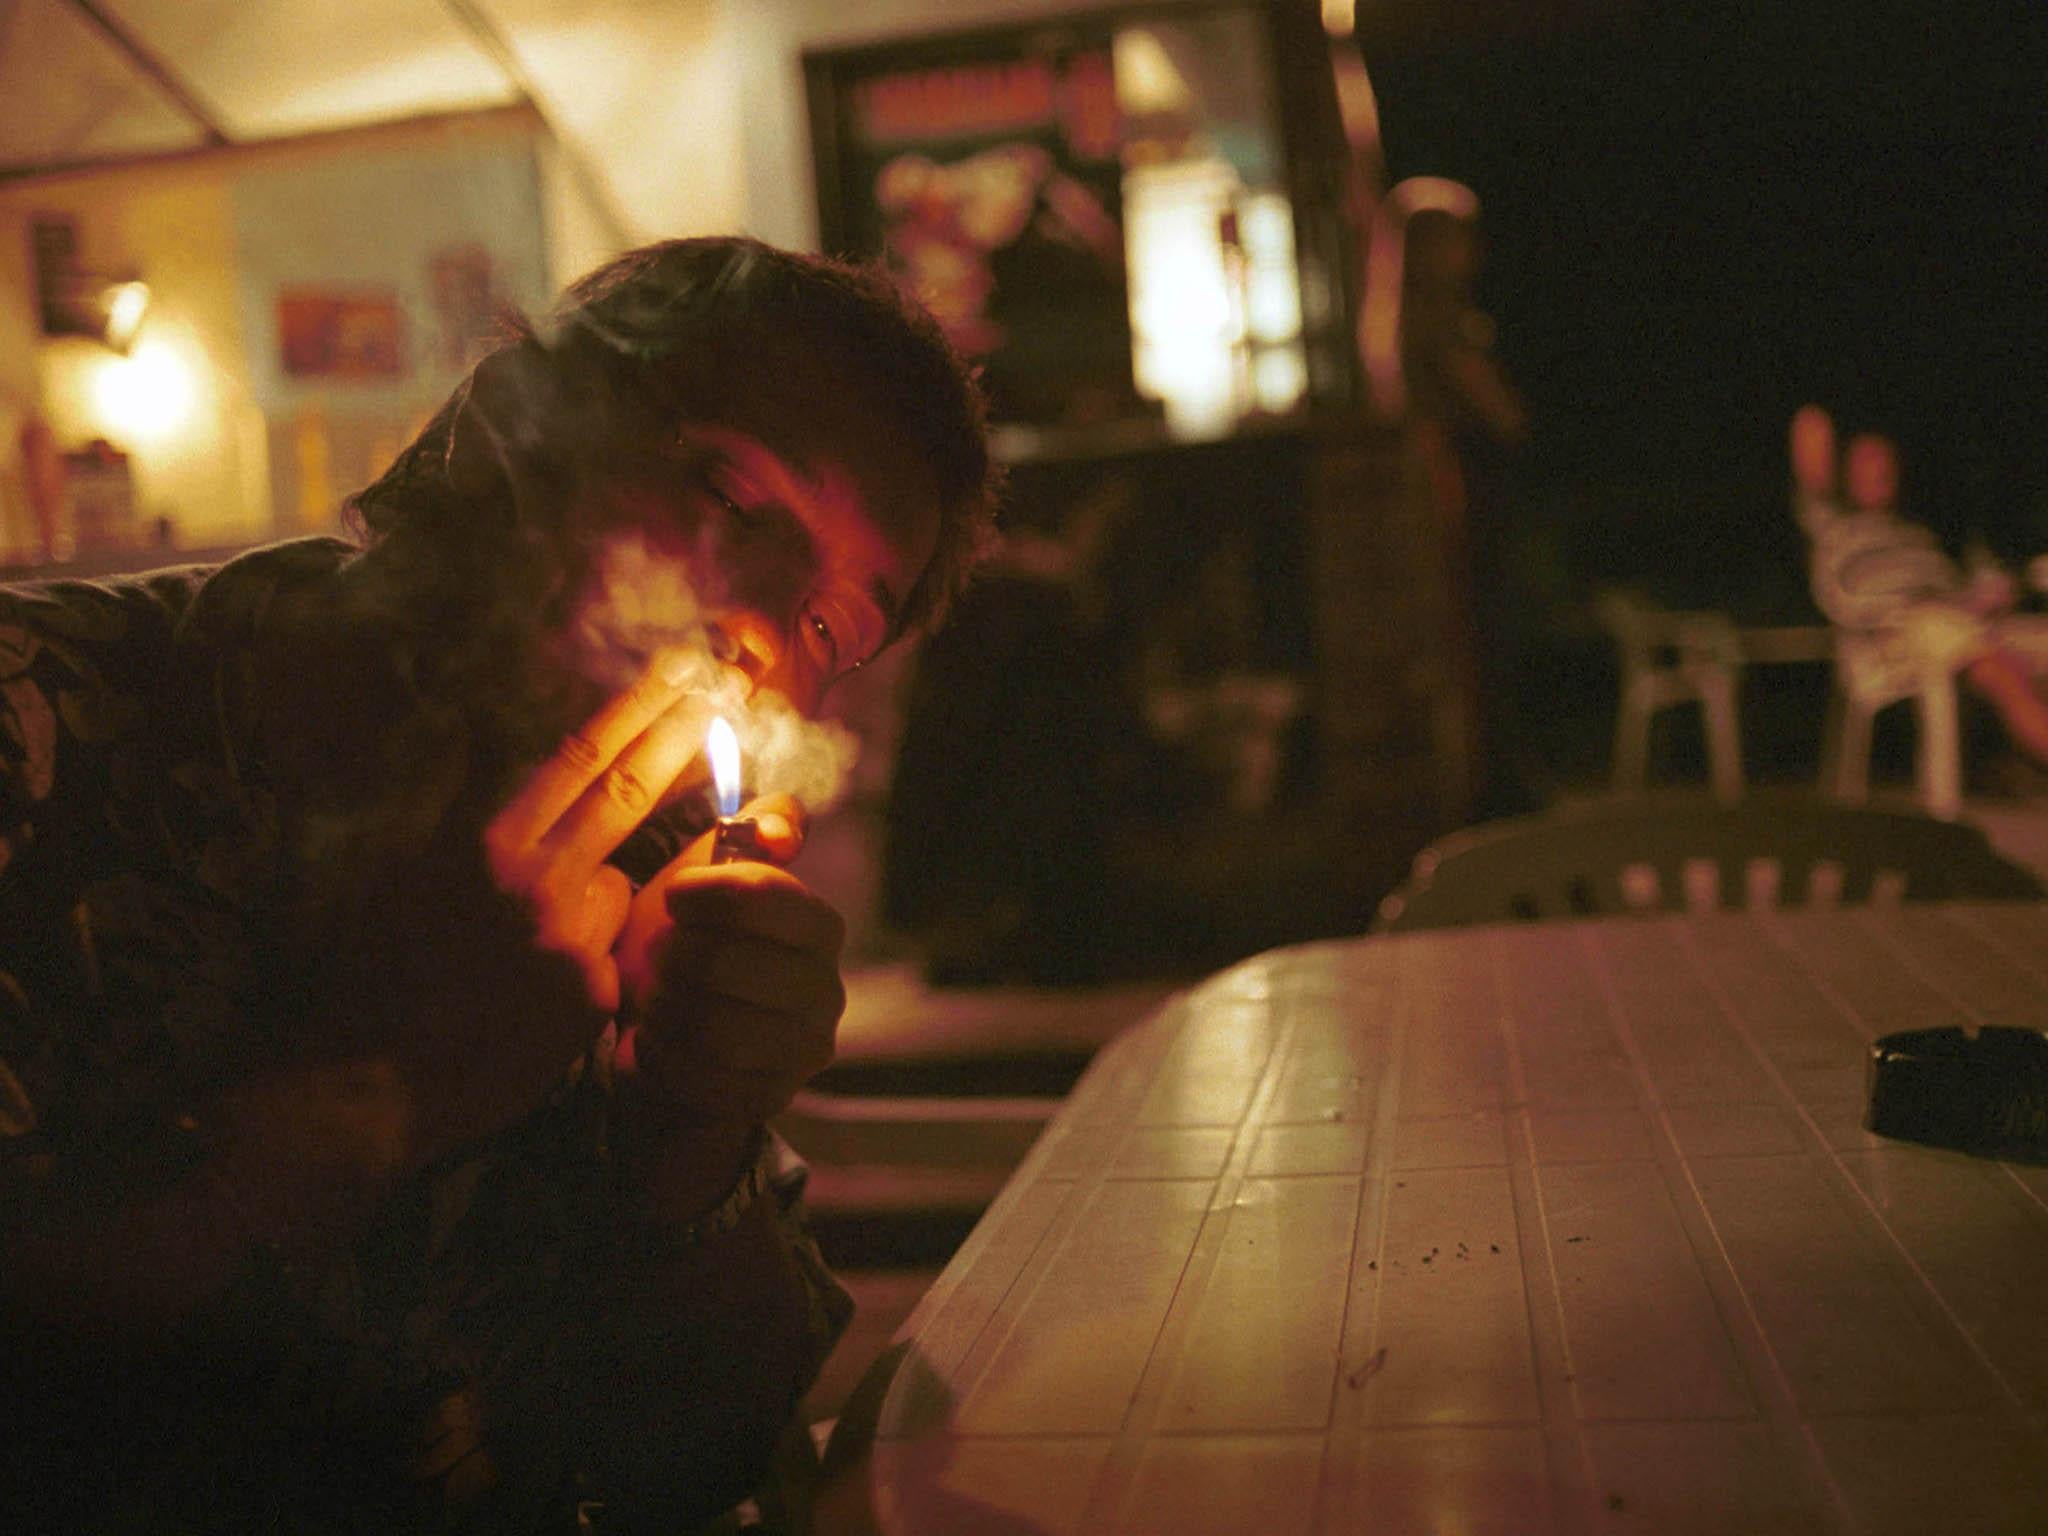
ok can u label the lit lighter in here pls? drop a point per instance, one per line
(737, 838)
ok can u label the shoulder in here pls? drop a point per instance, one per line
(240, 651)
(86, 626)
(261, 588)
(130, 624)
(106, 686)
(102, 657)
(80, 662)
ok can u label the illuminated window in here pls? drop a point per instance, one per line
(1215, 291)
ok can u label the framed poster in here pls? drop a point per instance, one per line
(342, 335)
(986, 168)
(1126, 216)
(468, 311)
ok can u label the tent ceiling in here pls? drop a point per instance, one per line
(90, 80)
(297, 66)
(68, 93)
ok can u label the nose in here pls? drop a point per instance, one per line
(746, 640)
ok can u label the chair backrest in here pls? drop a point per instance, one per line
(1638, 856)
(1650, 638)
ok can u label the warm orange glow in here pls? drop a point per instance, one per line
(1185, 319)
(722, 747)
(1206, 310)
(1147, 82)
(146, 397)
(127, 303)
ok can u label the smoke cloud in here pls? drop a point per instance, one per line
(641, 605)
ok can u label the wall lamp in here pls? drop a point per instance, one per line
(108, 307)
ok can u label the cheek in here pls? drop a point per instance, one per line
(797, 681)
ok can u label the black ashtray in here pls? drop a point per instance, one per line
(1983, 1091)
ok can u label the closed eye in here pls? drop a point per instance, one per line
(744, 516)
(712, 476)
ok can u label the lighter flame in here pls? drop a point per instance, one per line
(722, 747)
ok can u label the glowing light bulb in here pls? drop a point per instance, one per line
(127, 303)
(147, 396)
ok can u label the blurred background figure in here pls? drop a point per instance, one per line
(1815, 472)
(1464, 423)
(1885, 578)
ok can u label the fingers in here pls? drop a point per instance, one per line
(755, 900)
(586, 918)
(547, 845)
(608, 898)
(576, 764)
(748, 899)
(719, 1096)
(732, 1060)
(780, 820)
(627, 791)
(782, 823)
(758, 974)
(743, 1001)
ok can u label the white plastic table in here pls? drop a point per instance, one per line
(1555, 1228)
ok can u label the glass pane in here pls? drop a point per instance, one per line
(1208, 229)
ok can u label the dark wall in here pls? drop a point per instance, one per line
(1696, 223)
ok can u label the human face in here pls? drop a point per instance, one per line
(802, 572)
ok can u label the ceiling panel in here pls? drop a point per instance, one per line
(296, 66)
(644, 94)
(647, 93)
(67, 94)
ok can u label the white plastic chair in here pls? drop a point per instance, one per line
(1918, 661)
(1880, 582)
(1671, 658)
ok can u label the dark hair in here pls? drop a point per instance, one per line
(832, 356)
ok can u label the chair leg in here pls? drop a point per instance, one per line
(1940, 744)
(1631, 741)
(1831, 735)
(1852, 752)
(1724, 736)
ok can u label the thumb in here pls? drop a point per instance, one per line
(780, 823)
